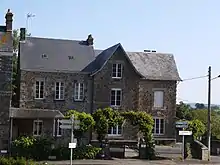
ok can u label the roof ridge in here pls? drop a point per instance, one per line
(60, 39)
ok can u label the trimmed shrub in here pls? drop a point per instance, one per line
(32, 148)
(16, 161)
(82, 152)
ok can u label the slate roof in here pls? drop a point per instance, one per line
(153, 66)
(34, 113)
(57, 55)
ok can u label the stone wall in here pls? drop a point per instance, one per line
(27, 91)
(103, 82)
(146, 101)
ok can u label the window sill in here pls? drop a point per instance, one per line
(159, 108)
(118, 78)
(59, 99)
(159, 134)
(115, 106)
(39, 98)
(36, 135)
(114, 135)
(78, 100)
(58, 136)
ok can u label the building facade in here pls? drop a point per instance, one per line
(6, 53)
(58, 75)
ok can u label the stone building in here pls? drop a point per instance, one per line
(57, 75)
(6, 53)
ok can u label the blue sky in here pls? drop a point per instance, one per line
(188, 29)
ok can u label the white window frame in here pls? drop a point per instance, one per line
(57, 131)
(117, 72)
(61, 91)
(117, 131)
(158, 103)
(37, 127)
(155, 121)
(115, 97)
(39, 90)
(77, 91)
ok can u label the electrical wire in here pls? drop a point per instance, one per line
(194, 78)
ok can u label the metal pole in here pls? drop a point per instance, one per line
(209, 113)
(183, 148)
(72, 136)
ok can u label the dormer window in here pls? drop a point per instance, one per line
(44, 56)
(71, 57)
(117, 71)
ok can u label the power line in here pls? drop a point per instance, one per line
(193, 78)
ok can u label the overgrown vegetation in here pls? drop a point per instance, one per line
(17, 161)
(86, 123)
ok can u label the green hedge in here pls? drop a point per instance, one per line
(16, 161)
(40, 149)
(82, 152)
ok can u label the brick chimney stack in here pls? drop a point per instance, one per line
(22, 34)
(9, 20)
(90, 39)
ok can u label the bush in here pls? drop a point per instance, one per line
(17, 161)
(32, 148)
(82, 152)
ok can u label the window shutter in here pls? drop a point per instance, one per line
(158, 98)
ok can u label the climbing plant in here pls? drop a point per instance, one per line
(104, 119)
(86, 122)
(145, 123)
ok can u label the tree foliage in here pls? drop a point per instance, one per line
(197, 127)
(183, 111)
(145, 123)
(104, 119)
(86, 121)
(200, 106)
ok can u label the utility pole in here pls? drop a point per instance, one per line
(209, 113)
(72, 137)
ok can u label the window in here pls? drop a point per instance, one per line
(57, 131)
(158, 99)
(115, 97)
(117, 71)
(79, 91)
(159, 126)
(39, 90)
(37, 127)
(115, 131)
(59, 90)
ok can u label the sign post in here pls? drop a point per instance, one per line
(183, 125)
(72, 136)
(70, 124)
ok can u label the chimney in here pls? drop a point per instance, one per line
(90, 40)
(147, 50)
(22, 34)
(8, 18)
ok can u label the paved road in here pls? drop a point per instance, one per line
(131, 162)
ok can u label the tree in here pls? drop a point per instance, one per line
(104, 119)
(201, 114)
(86, 122)
(145, 123)
(200, 106)
(197, 127)
(183, 111)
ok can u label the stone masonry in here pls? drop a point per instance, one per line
(27, 93)
(6, 53)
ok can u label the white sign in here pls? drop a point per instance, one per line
(72, 145)
(185, 133)
(76, 127)
(65, 126)
(65, 121)
(77, 122)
